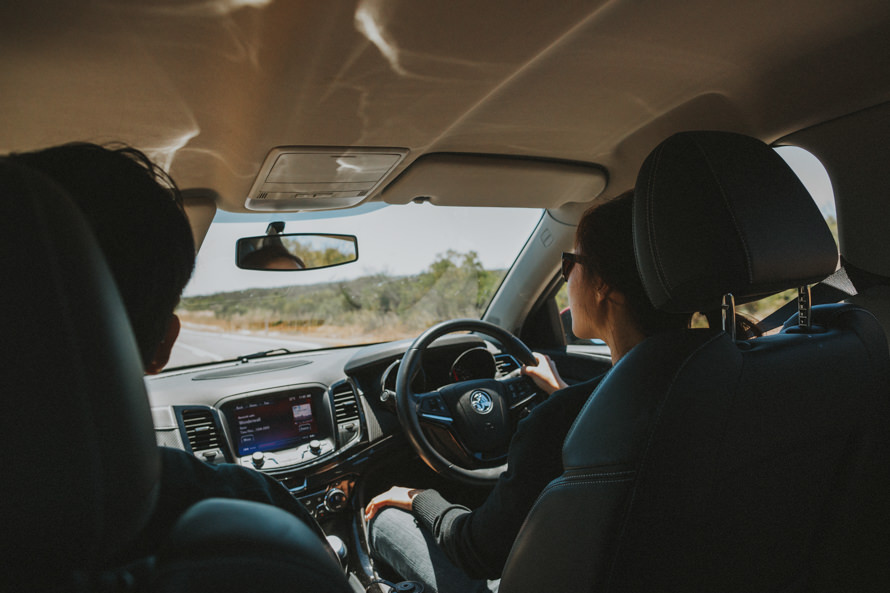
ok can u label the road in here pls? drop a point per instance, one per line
(196, 346)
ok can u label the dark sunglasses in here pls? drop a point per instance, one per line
(568, 262)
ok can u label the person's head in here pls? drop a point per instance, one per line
(604, 285)
(135, 211)
(273, 255)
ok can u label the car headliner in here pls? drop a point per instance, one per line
(209, 87)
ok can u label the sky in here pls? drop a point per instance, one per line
(402, 240)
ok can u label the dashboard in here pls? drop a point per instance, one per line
(316, 420)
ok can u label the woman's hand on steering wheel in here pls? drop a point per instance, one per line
(544, 374)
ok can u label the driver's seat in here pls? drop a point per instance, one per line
(702, 463)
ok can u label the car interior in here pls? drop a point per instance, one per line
(704, 461)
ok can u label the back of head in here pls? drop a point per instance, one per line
(136, 213)
(605, 238)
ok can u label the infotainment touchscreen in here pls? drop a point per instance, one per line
(272, 423)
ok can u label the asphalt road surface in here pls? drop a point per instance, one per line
(196, 346)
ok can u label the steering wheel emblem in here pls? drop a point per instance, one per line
(481, 402)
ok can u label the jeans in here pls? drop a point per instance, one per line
(397, 539)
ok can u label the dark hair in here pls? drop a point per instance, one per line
(604, 239)
(135, 211)
(271, 249)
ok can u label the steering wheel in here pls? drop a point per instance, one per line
(475, 415)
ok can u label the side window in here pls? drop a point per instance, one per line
(565, 316)
(815, 178)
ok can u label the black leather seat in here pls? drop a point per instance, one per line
(702, 463)
(236, 546)
(82, 466)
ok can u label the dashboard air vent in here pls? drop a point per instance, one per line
(506, 364)
(200, 428)
(345, 407)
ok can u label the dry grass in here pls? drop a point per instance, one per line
(335, 335)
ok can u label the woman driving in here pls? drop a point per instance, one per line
(449, 548)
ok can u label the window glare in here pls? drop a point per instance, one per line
(813, 175)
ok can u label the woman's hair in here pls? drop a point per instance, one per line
(604, 240)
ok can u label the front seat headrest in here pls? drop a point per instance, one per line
(82, 463)
(718, 213)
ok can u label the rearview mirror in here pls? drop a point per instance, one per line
(295, 251)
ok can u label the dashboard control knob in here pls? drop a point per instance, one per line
(315, 446)
(258, 459)
(335, 500)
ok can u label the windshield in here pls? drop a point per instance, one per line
(418, 265)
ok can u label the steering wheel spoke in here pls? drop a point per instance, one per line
(431, 407)
(518, 391)
(475, 414)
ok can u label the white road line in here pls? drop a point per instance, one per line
(274, 340)
(197, 351)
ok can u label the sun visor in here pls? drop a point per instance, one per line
(451, 179)
(313, 178)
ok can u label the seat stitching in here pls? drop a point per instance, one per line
(587, 479)
(591, 474)
(567, 483)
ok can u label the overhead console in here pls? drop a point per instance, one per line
(320, 178)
